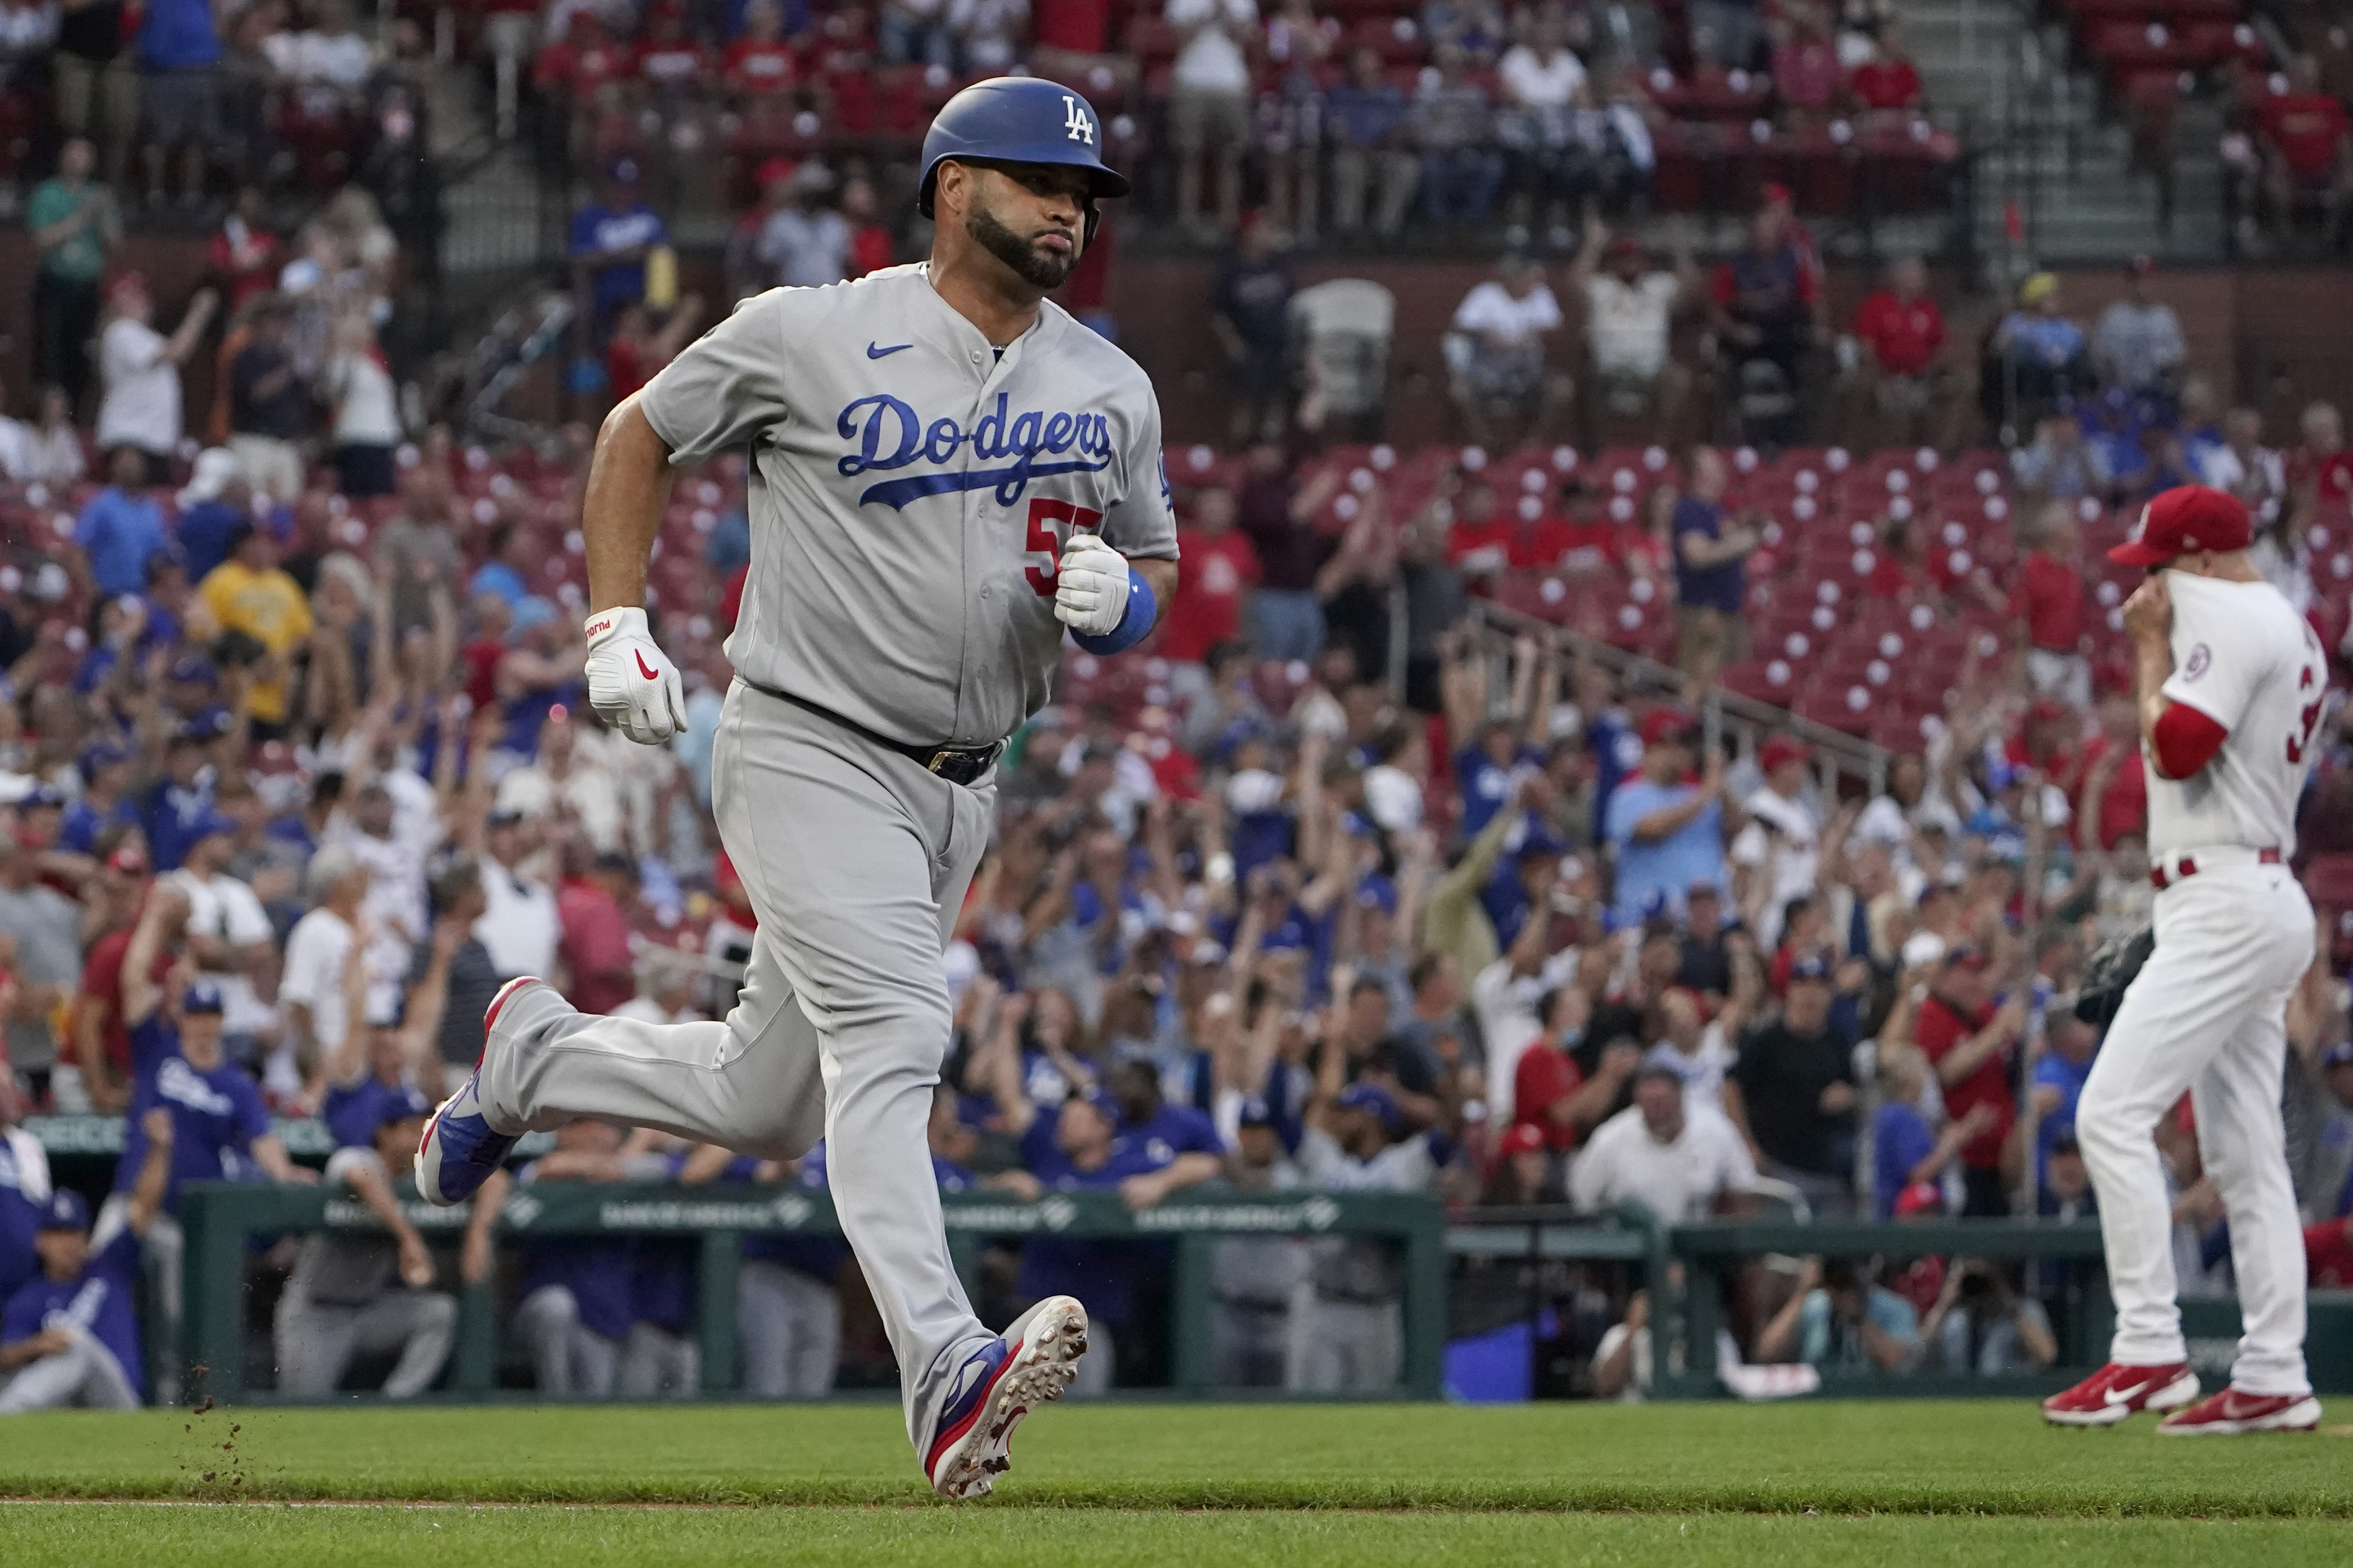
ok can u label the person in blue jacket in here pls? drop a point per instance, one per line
(69, 1336)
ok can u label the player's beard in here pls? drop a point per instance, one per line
(1039, 268)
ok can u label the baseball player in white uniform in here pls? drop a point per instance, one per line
(2232, 687)
(948, 473)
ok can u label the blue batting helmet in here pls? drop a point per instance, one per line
(1019, 119)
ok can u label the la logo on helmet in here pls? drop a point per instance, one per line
(1075, 121)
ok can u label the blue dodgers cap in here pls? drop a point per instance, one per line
(527, 612)
(66, 1210)
(209, 822)
(1377, 892)
(201, 996)
(210, 724)
(404, 1104)
(1257, 1113)
(1812, 967)
(100, 755)
(196, 671)
(1372, 1097)
(2339, 1055)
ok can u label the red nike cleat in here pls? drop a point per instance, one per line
(2231, 1413)
(2115, 1391)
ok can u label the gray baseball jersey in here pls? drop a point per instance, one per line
(910, 492)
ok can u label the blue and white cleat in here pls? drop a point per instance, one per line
(1037, 1359)
(459, 1149)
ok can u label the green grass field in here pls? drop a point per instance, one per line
(1868, 1482)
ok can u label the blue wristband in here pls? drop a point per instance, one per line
(1143, 610)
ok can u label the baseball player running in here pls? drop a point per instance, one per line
(2231, 684)
(925, 443)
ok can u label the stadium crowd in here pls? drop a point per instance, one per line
(1312, 892)
(1445, 115)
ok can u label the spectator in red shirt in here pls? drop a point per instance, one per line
(2110, 790)
(1590, 545)
(245, 254)
(2307, 148)
(1805, 65)
(760, 64)
(1904, 331)
(594, 943)
(2320, 470)
(1479, 544)
(1885, 82)
(871, 248)
(670, 64)
(639, 348)
(1900, 569)
(2046, 609)
(2329, 1253)
(1220, 567)
(101, 1041)
(578, 68)
(1548, 1093)
(1970, 1042)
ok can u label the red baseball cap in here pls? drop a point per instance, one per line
(1662, 725)
(1918, 1198)
(1773, 193)
(1778, 751)
(2183, 520)
(1522, 1138)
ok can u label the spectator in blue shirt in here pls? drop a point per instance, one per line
(1084, 1144)
(179, 46)
(215, 500)
(105, 766)
(69, 1336)
(1669, 831)
(504, 573)
(1906, 1152)
(2059, 1075)
(2046, 355)
(1839, 1318)
(221, 1129)
(1711, 575)
(1372, 148)
(610, 242)
(179, 808)
(24, 1188)
(121, 528)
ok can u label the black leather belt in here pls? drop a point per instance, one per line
(957, 764)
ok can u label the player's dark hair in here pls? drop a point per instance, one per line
(1424, 970)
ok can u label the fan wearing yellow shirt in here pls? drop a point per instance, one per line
(247, 592)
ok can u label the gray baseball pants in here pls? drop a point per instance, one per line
(84, 1374)
(856, 860)
(316, 1341)
(658, 1364)
(791, 1327)
(568, 1359)
(1343, 1346)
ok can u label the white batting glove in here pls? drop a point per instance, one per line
(1090, 586)
(631, 682)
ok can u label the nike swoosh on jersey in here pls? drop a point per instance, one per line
(648, 674)
(875, 351)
